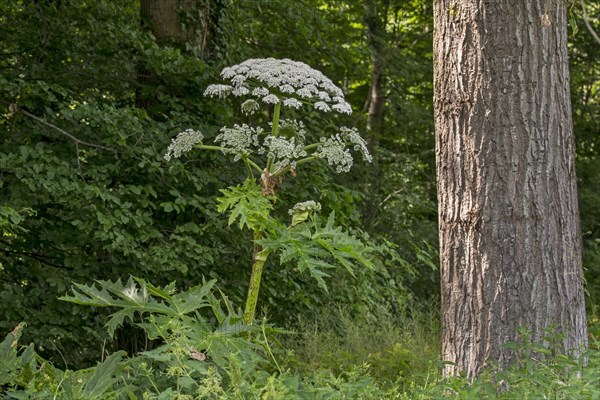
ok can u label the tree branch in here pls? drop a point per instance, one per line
(587, 22)
(14, 109)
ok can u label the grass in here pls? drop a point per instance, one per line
(402, 355)
(394, 349)
(375, 355)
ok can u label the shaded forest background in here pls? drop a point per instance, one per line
(91, 95)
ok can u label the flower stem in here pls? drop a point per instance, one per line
(207, 147)
(259, 259)
(274, 131)
(276, 112)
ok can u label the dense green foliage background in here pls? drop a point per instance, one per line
(90, 99)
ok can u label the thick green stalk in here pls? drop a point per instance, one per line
(259, 258)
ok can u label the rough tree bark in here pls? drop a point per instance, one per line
(508, 214)
(165, 19)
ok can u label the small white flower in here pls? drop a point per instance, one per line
(254, 74)
(324, 96)
(250, 106)
(343, 108)
(351, 135)
(287, 88)
(309, 205)
(312, 89)
(218, 90)
(270, 99)
(309, 81)
(240, 91)
(333, 150)
(322, 106)
(292, 128)
(284, 150)
(228, 73)
(238, 140)
(183, 143)
(301, 211)
(294, 103)
(331, 88)
(238, 80)
(260, 91)
(303, 92)
(273, 81)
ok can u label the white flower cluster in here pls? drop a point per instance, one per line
(238, 140)
(183, 143)
(220, 91)
(309, 205)
(292, 128)
(334, 150)
(250, 106)
(351, 135)
(284, 150)
(284, 81)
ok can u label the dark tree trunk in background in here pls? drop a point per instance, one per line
(162, 18)
(508, 214)
(375, 22)
(166, 20)
(376, 38)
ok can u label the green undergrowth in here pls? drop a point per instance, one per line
(396, 349)
(203, 350)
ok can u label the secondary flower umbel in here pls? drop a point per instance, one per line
(183, 143)
(273, 81)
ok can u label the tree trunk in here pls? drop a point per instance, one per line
(376, 39)
(508, 214)
(162, 17)
(166, 20)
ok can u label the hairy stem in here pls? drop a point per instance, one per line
(259, 258)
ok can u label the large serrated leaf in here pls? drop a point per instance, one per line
(246, 203)
(117, 319)
(315, 248)
(194, 298)
(89, 296)
(158, 292)
(115, 294)
(104, 376)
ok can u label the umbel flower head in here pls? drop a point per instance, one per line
(286, 82)
(183, 143)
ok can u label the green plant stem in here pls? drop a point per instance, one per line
(260, 256)
(207, 147)
(312, 146)
(276, 112)
(251, 164)
(299, 162)
(274, 132)
(255, 166)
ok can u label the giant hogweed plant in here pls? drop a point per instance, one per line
(269, 154)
